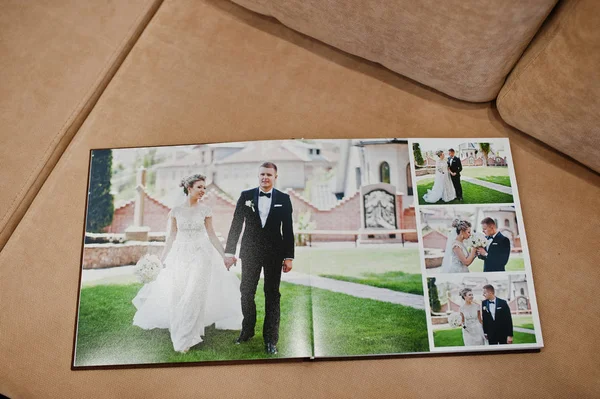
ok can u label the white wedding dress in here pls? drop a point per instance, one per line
(442, 189)
(194, 290)
(451, 263)
(473, 330)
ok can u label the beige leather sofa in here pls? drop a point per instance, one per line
(98, 74)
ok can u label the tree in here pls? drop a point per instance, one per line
(434, 300)
(100, 201)
(417, 154)
(485, 149)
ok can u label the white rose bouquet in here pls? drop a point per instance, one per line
(478, 240)
(455, 320)
(147, 268)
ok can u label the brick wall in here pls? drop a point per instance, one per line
(435, 239)
(344, 216)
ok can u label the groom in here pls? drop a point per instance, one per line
(497, 251)
(497, 319)
(455, 167)
(268, 245)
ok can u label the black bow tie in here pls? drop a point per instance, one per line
(491, 302)
(489, 237)
(262, 194)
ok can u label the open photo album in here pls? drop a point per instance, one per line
(302, 249)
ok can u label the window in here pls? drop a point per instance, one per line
(384, 172)
(358, 178)
(506, 223)
(318, 151)
(310, 151)
(522, 291)
(409, 184)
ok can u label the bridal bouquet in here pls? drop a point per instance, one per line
(455, 320)
(478, 240)
(147, 268)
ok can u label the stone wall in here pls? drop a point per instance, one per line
(98, 256)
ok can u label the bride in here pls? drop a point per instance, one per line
(442, 189)
(457, 258)
(194, 290)
(472, 322)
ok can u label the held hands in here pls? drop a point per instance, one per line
(287, 265)
(229, 261)
(481, 251)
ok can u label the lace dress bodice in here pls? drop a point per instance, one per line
(455, 265)
(191, 222)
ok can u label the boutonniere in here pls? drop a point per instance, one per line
(485, 308)
(250, 204)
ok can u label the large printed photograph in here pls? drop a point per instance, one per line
(250, 250)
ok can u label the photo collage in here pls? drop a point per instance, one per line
(473, 249)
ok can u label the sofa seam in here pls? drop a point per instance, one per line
(526, 67)
(80, 106)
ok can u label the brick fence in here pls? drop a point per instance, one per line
(344, 216)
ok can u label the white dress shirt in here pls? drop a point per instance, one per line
(264, 206)
(489, 242)
(493, 308)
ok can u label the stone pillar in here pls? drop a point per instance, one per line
(137, 231)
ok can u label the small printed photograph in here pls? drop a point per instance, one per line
(469, 239)
(462, 172)
(481, 310)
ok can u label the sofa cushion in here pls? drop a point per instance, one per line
(553, 93)
(56, 58)
(207, 70)
(464, 48)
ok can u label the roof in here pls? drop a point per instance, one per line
(274, 151)
(362, 143)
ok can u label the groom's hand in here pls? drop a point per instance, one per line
(287, 265)
(482, 252)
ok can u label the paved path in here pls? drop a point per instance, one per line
(437, 327)
(356, 290)
(124, 275)
(487, 184)
(524, 330)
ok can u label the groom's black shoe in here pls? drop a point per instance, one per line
(243, 338)
(271, 349)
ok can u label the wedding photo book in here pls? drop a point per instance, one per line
(302, 249)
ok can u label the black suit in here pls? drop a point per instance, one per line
(498, 254)
(456, 167)
(497, 329)
(262, 247)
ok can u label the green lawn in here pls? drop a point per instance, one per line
(354, 262)
(396, 281)
(502, 180)
(482, 171)
(345, 326)
(472, 194)
(107, 337)
(453, 337)
(523, 321)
